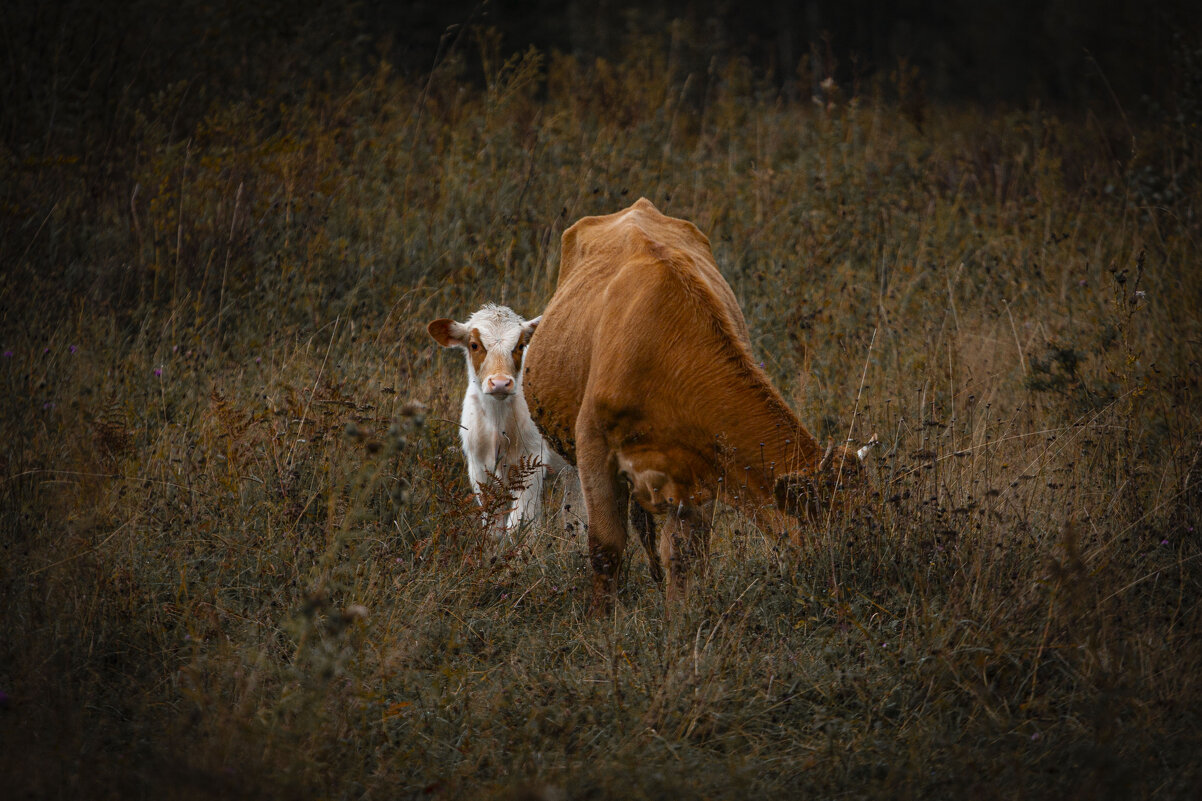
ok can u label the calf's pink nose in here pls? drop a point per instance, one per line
(498, 385)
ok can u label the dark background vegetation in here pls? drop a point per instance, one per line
(71, 66)
(238, 553)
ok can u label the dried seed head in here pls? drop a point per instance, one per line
(416, 411)
(402, 493)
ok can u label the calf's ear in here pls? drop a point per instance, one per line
(530, 325)
(448, 333)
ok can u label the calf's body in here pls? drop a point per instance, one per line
(500, 442)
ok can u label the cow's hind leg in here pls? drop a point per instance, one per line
(644, 524)
(701, 535)
(606, 507)
(681, 543)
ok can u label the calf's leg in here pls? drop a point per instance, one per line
(528, 505)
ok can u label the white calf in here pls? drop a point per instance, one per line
(499, 438)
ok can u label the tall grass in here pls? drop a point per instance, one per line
(240, 554)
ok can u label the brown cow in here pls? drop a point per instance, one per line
(643, 376)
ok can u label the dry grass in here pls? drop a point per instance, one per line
(238, 562)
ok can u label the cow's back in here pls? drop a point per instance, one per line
(638, 294)
(595, 248)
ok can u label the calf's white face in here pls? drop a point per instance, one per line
(494, 340)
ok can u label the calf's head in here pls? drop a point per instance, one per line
(494, 340)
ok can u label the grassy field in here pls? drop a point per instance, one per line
(240, 555)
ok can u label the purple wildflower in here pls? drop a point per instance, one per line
(8, 354)
(72, 348)
(158, 371)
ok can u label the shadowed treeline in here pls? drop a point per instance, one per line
(72, 68)
(963, 50)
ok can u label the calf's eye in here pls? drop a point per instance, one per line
(475, 346)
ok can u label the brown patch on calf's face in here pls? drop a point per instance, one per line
(476, 350)
(519, 351)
